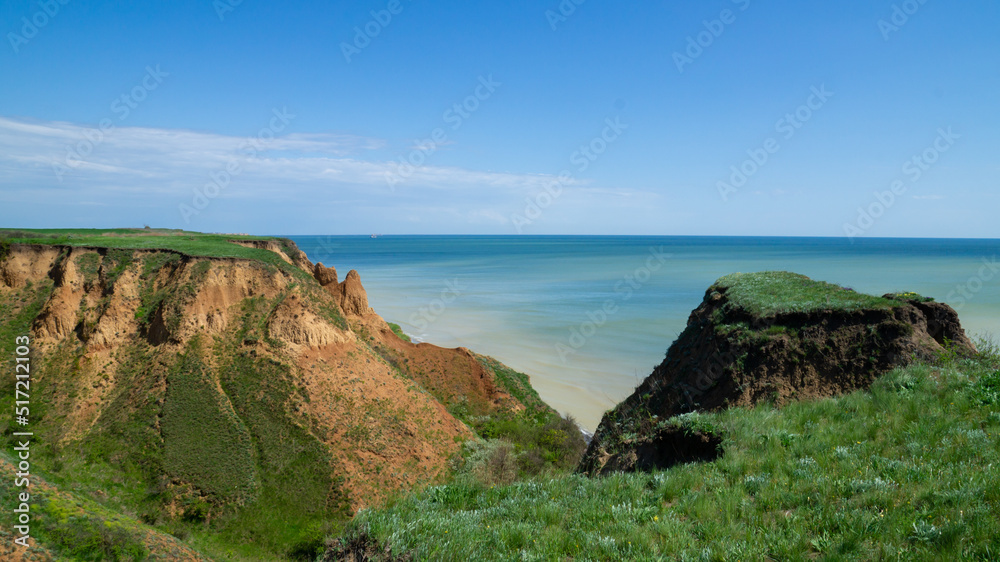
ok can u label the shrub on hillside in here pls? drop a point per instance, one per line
(987, 389)
(543, 441)
(89, 538)
(491, 462)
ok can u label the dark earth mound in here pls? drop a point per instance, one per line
(361, 548)
(772, 336)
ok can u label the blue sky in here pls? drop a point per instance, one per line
(532, 117)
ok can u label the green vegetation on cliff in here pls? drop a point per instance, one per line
(77, 528)
(200, 441)
(169, 401)
(773, 337)
(396, 329)
(909, 470)
(769, 293)
(196, 244)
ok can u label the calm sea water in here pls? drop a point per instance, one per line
(589, 317)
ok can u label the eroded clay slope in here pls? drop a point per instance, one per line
(217, 380)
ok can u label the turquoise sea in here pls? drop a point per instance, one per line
(588, 317)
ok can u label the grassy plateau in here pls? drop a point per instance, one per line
(196, 244)
(769, 293)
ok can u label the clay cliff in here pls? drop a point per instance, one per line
(773, 337)
(185, 388)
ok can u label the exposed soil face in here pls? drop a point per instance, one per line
(26, 263)
(384, 433)
(377, 406)
(325, 275)
(665, 448)
(728, 357)
(452, 375)
(351, 295)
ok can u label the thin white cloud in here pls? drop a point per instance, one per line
(486, 216)
(314, 181)
(166, 159)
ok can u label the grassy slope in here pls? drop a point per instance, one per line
(910, 470)
(239, 447)
(81, 529)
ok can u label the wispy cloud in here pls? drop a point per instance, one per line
(172, 154)
(164, 166)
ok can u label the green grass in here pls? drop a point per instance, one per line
(88, 265)
(185, 242)
(150, 297)
(17, 312)
(770, 293)
(299, 502)
(907, 471)
(517, 384)
(516, 445)
(116, 262)
(90, 538)
(399, 332)
(195, 244)
(77, 528)
(988, 388)
(16, 315)
(205, 442)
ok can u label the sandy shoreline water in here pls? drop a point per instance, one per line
(589, 317)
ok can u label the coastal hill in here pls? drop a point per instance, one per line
(227, 390)
(826, 424)
(774, 337)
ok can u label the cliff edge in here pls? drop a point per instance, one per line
(199, 381)
(771, 336)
